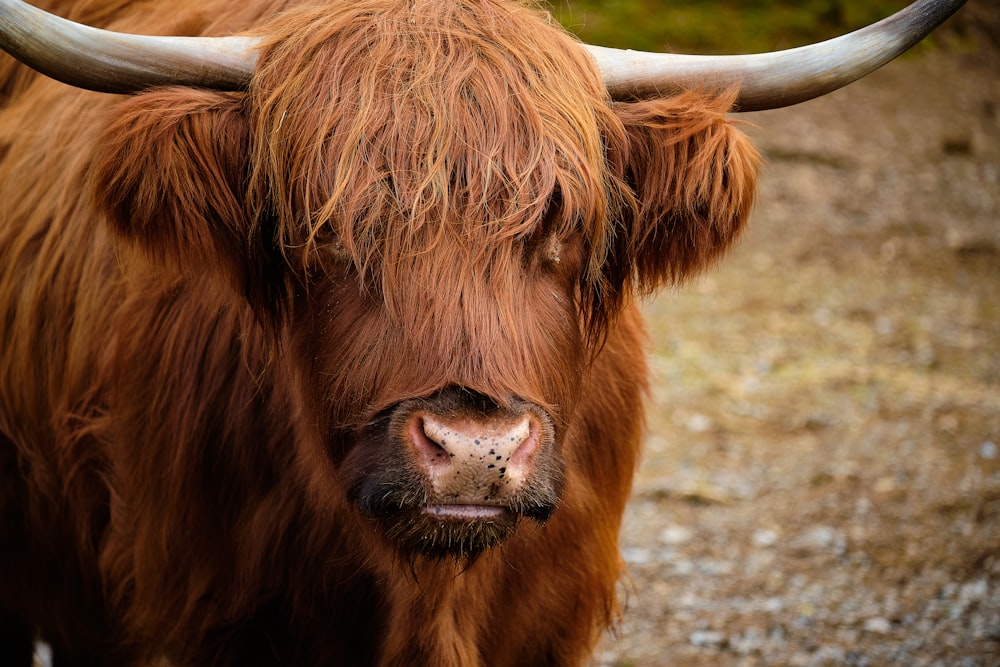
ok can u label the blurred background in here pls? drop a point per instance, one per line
(716, 26)
(821, 482)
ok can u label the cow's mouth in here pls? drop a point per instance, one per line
(443, 530)
(449, 530)
(456, 512)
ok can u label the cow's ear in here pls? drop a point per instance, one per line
(694, 178)
(170, 176)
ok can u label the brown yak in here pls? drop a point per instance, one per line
(338, 361)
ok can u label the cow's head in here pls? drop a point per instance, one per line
(438, 212)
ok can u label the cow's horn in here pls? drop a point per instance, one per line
(115, 62)
(780, 78)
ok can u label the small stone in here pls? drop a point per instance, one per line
(974, 591)
(878, 625)
(707, 638)
(698, 423)
(747, 643)
(765, 538)
(818, 539)
(676, 535)
(773, 605)
(637, 556)
(988, 450)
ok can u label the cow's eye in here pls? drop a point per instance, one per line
(329, 245)
(337, 251)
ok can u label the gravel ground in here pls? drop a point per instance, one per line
(821, 483)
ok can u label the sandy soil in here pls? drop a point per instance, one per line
(821, 484)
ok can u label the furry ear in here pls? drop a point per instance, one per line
(170, 175)
(694, 178)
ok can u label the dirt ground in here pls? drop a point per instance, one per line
(821, 483)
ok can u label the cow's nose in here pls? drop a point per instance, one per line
(473, 462)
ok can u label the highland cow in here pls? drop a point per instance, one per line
(336, 360)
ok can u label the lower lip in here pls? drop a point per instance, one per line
(466, 512)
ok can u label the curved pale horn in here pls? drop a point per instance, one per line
(780, 78)
(114, 62)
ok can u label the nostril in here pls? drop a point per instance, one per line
(524, 446)
(430, 444)
(435, 433)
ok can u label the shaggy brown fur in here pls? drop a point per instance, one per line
(208, 301)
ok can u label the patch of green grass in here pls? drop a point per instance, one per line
(716, 26)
